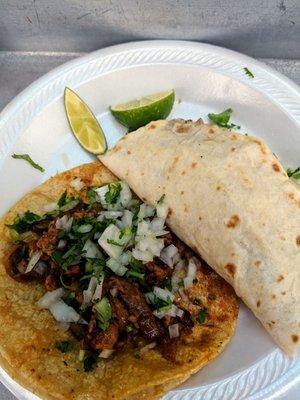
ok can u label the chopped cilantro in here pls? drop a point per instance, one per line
(113, 193)
(181, 283)
(167, 284)
(293, 173)
(222, 119)
(129, 328)
(92, 195)
(62, 200)
(27, 158)
(136, 274)
(202, 316)
(57, 257)
(104, 313)
(111, 241)
(195, 280)
(160, 201)
(64, 346)
(23, 223)
(248, 72)
(135, 264)
(89, 363)
(125, 232)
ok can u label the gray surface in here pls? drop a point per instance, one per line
(261, 28)
(38, 35)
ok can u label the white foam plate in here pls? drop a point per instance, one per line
(206, 79)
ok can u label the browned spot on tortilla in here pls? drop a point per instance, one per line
(183, 173)
(168, 177)
(218, 188)
(273, 296)
(170, 211)
(231, 268)
(172, 166)
(194, 164)
(143, 198)
(257, 263)
(233, 149)
(280, 278)
(233, 222)
(232, 254)
(269, 325)
(233, 136)
(128, 152)
(273, 322)
(152, 126)
(276, 167)
(283, 293)
(259, 143)
(185, 208)
(291, 196)
(182, 128)
(200, 218)
(298, 240)
(258, 304)
(182, 192)
(115, 149)
(211, 130)
(142, 173)
(295, 338)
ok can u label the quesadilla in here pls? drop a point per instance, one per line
(99, 299)
(231, 201)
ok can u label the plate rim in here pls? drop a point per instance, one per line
(275, 367)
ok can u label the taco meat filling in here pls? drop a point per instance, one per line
(112, 273)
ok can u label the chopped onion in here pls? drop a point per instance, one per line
(49, 207)
(183, 295)
(50, 298)
(157, 226)
(114, 292)
(64, 223)
(147, 347)
(162, 210)
(33, 260)
(77, 184)
(63, 326)
(85, 228)
(125, 258)
(191, 274)
(150, 297)
(91, 250)
(89, 293)
(127, 218)
(101, 192)
(64, 313)
(172, 311)
(143, 228)
(98, 292)
(62, 244)
(109, 215)
(112, 232)
(40, 267)
(148, 243)
(142, 255)
(163, 294)
(173, 330)
(116, 267)
(145, 211)
(106, 353)
(168, 254)
(125, 194)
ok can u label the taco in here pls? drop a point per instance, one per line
(98, 299)
(232, 202)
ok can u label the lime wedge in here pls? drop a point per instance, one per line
(84, 124)
(137, 113)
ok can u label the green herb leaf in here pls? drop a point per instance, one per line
(137, 275)
(113, 193)
(64, 346)
(195, 280)
(27, 158)
(161, 200)
(248, 72)
(167, 283)
(222, 119)
(89, 363)
(135, 264)
(62, 200)
(293, 173)
(125, 232)
(111, 241)
(104, 313)
(57, 257)
(23, 223)
(92, 195)
(201, 316)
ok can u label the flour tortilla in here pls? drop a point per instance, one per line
(230, 200)
(28, 334)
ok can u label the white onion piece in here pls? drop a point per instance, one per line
(173, 330)
(162, 210)
(40, 267)
(163, 294)
(62, 244)
(168, 254)
(98, 292)
(145, 256)
(125, 194)
(33, 260)
(49, 207)
(125, 258)
(112, 232)
(145, 211)
(64, 223)
(157, 225)
(89, 292)
(172, 311)
(183, 295)
(101, 192)
(114, 292)
(147, 347)
(82, 322)
(63, 326)
(148, 243)
(109, 215)
(91, 250)
(50, 298)
(191, 274)
(116, 267)
(143, 228)
(64, 313)
(106, 353)
(77, 184)
(150, 297)
(127, 218)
